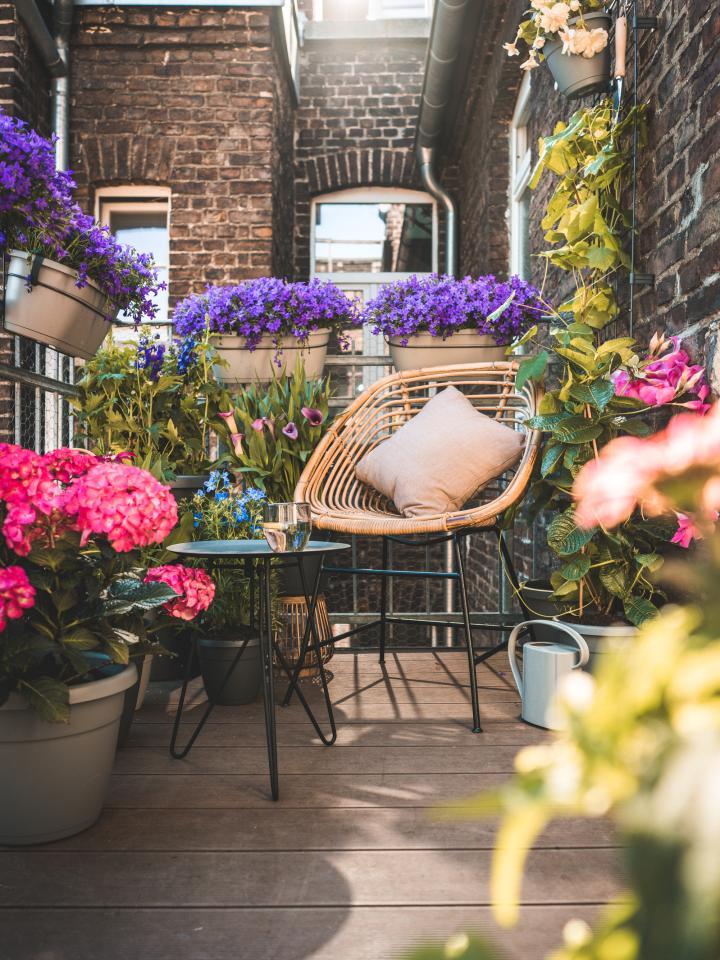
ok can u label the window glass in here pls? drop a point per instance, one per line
(373, 238)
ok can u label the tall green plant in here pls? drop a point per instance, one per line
(274, 429)
(160, 404)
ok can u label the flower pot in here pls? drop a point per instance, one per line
(259, 366)
(51, 309)
(55, 775)
(575, 75)
(424, 350)
(290, 582)
(599, 638)
(185, 486)
(216, 656)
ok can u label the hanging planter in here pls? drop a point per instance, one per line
(269, 360)
(433, 321)
(576, 74)
(267, 325)
(42, 302)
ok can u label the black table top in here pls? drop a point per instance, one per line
(249, 548)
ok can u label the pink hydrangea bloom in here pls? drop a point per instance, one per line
(18, 529)
(25, 479)
(17, 594)
(125, 503)
(65, 463)
(630, 472)
(194, 587)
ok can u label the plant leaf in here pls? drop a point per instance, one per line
(638, 610)
(532, 368)
(565, 537)
(50, 698)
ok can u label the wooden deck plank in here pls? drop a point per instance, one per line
(294, 878)
(342, 933)
(292, 828)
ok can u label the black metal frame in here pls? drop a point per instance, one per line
(499, 622)
(261, 571)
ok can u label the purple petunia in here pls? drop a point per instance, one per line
(267, 305)
(442, 305)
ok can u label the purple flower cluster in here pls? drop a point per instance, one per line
(268, 305)
(150, 355)
(442, 305)
(38, 215)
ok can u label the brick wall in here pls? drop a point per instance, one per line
(355, 122)
(679, 181)
(195, 100)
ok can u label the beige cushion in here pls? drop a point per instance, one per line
(437, 460)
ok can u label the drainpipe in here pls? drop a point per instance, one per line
(63, 14)
(41, 36)
(443, 49)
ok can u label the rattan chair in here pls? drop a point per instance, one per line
(344, 505)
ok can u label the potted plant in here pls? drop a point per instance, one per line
(67, 277)
(263, 326)
(222, 510)
(157, 401)
(605, 582)
(435, 320)
(271, 435)
(572, 38)
(72, 600)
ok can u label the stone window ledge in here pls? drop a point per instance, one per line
(409, 29)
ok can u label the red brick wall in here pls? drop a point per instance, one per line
(195, 100)
(355, 122)
(679, 181)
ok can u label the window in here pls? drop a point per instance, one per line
(520, 171)
(140, 217)
(354, 10)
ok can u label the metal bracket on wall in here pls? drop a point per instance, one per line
(642, 279)
(645, 23)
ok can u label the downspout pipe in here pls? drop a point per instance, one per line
(449, 20)
(41, 37)
(63, 15)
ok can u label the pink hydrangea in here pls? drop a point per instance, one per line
(125, 503)
(667, 375)
(194, 587)
(66, 463)
(25, 479)
(17, 594)
(20, 529)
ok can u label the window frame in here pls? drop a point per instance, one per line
(139, 198)
(520, 174)
(372, 195)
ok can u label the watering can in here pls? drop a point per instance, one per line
(544, 666)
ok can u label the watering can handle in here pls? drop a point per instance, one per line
(557, 624)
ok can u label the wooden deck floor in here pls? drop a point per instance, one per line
(192, 861)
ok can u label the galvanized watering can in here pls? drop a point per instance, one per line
(544, 666)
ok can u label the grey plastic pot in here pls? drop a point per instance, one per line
(577, 76)
(55, 776)
(185, 487)
(600, 639)
(216, 656)
(290, 581)
(425, 350)
(51, 309)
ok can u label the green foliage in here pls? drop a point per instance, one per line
(266, 456)
(164, 416)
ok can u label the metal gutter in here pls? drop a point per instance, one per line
(446, 37)
(63, 15)
(41, 37)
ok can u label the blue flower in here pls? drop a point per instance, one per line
(222, 495)
(212, 481)
(252, 493)
(241, 514)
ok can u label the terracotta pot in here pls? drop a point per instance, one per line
(56, 775)
(424, 350)
(51, 309)
(258, 365)
(575, 75)
(600, 639)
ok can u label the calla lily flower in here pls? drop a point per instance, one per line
(226, 416)
(258, 425)
(237, 439)
(270, 424)
(313, 416)
(290, 431)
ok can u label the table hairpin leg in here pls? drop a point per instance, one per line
(266, 652)
(179, 754)
(294, 675)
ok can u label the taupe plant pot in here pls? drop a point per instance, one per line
(600, 639)
(51, 309)
(575, 75)
(424, 350)
(55, 776)
(258, 365)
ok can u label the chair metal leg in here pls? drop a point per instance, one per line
(266, 647)
(477, 727)
(383, 599)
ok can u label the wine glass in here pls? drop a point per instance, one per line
(287, 526)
